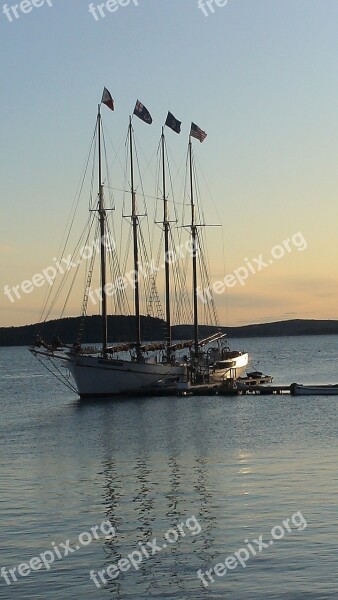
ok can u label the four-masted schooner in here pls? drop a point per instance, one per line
(149, 366)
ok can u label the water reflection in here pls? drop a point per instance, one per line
(149, 489)
(240, 466)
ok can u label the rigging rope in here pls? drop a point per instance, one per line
(61, 377)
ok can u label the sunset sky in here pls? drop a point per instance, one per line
(259, 76)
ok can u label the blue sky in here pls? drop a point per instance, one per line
(259, 76)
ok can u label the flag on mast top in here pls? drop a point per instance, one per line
(142, 113)
(197, 133)
(173, 123)
(107, 99)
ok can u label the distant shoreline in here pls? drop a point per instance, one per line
(121, 328)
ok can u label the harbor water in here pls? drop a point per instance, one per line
(140, 498)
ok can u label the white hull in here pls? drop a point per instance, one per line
(234, 367)
(99, 377)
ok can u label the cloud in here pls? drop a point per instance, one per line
(249, 301)
(7, 249)
(319, 285)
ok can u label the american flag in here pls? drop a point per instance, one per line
(197, 133)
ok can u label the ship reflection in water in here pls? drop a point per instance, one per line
(160, 502)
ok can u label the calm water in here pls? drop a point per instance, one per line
(239, 466)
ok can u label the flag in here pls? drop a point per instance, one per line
(173, 123)
(197, 133)
(107, 99)
(142, 113)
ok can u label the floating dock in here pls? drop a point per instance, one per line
(237, 388)
(240, 390)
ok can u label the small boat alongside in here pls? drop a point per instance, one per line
(255, 378)
(297, 389)
(224, 363)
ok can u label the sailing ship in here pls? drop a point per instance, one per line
(140, 368)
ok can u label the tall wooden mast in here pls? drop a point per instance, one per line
(134, 219)
(193, 228)
(102, 219)
(166, 227)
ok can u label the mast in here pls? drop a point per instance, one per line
(166, 251)
(102, 219)
(194, 251)
(134, 219)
